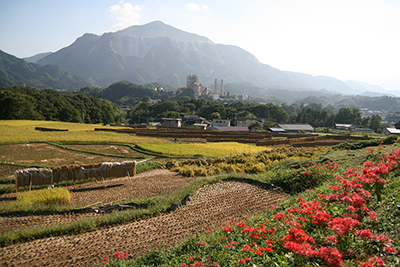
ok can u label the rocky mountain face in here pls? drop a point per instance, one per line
(15, 71)
(157, 52)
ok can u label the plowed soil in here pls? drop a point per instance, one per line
(144, 185)
(211, 206)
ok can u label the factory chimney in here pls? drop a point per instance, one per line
(222, 86)
(215, 85)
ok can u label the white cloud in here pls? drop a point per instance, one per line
(196, 7)
(126, 14)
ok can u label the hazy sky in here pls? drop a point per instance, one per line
(345, 39)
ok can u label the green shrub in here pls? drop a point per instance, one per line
(363, 144)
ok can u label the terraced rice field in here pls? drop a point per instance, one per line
(211, 206)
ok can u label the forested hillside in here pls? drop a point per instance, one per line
(15, 71)
(19, 102)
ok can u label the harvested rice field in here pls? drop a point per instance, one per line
(211, 205)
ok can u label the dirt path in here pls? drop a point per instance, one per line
(211, 206)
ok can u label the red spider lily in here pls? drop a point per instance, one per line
(321, 217)
(341, 226)
(332, 256)
(377, 261)
(299, 236)
(228, 229)
(120, 255)
(389, 249)
(247, 248)
(230, 244)
(279, 216)
(304, 249)
(331, 239)
(241, 224)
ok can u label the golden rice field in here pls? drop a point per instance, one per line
(23, 131)
(207, 149)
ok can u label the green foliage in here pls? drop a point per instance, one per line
(363, 144)
(397, 125)
(255, 126)
(348, 115)
(29, 103)
(125, 88)
(296, 177)
(375, 122)
(393, 116)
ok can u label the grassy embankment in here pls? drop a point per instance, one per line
(350, 220)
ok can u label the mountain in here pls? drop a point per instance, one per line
(158, 29)
(36, 57)
(157, 52)
(15, 71)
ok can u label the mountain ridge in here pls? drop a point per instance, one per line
(157, 52)
(15, 71)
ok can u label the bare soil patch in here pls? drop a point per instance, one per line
(211, 206)
(144, 185)
(45, 154)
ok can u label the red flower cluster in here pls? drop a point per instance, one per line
(243, 261)
(120, 255)
(323, 230)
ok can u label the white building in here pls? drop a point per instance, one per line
(388, 131)
(221, 122)
(171, 122)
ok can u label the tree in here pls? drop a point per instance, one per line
(215, 115)
(146, 98)
(348, 115)
(255, 126)
(245, 114)
(268, 124)
(190, 92)
(16, 106)
(397, 125)
(375, 122)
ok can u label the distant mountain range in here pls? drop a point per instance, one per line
(157, 52)
(15, 71)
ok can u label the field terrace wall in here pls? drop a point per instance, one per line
(45, 129)
(209, 136)
(259, 138)
(42, 176)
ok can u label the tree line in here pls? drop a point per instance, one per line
(94, 105)
(23, 102)
(313, 114)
